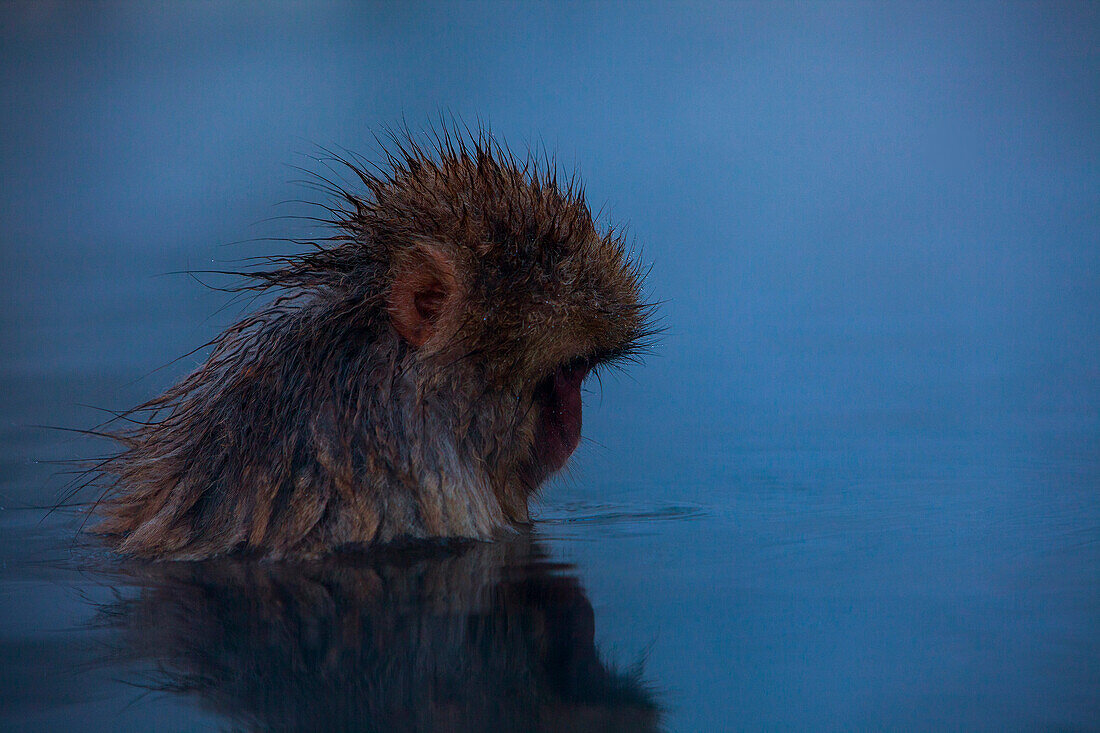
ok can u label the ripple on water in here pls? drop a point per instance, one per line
(592, 513)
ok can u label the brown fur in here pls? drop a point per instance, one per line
(391, 390)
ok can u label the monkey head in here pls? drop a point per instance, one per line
(507, 294)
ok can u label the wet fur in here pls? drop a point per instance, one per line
(315, 424)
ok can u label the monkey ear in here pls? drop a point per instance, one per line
(425, 287)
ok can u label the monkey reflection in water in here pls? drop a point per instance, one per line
(475, 637)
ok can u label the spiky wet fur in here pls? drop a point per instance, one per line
(313, 424)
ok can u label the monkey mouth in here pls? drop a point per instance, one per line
(559, 427)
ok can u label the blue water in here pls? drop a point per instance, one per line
(857, 486)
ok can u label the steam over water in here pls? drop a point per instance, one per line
(857, 487)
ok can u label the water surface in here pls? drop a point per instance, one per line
(857, 487)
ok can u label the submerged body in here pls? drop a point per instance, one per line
(418, 376)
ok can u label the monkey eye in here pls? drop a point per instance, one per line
(594, 362)
(614, 358)
(602, 357)
(580, 363)
(588, 364)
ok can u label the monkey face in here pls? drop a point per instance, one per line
(573, 310)
(519, 326)
(558, 426)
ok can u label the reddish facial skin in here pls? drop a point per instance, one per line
(559, 427)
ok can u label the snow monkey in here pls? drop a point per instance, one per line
(418, 374)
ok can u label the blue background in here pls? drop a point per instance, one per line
(857, 486)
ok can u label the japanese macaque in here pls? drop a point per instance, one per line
(493, 637)
(417, 376)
